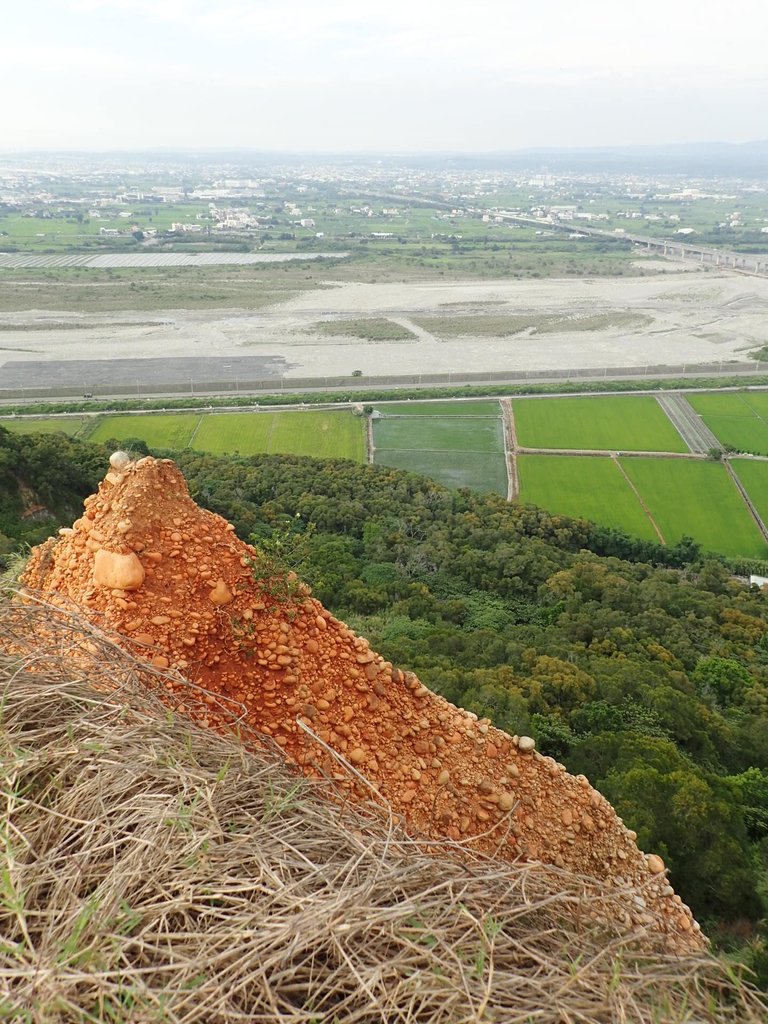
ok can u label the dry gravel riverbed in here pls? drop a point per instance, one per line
(695, 317)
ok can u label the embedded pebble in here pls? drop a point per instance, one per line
(655, 864)
(221, 594)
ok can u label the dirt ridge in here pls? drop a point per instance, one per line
(175, 583)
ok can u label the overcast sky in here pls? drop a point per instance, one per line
(380, 74)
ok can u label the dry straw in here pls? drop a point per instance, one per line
(151, 871)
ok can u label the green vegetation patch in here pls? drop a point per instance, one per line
(719, 403)
(101, 290)
(158, 430)
(459, 408)
(697, 499)
(365, 328)
(481, 472)
(753, 474)
(432, 433)
(459, 444)
(336, 434)
(586, 487)
(744, 433)
(739, 420)
(490, 326)
(757, 402)
(71, 425)
(633, 423)
(332, 434)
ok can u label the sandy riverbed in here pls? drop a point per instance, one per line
(696, 317)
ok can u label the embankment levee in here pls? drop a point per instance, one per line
(240, 401)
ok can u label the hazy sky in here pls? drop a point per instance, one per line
(380, 74)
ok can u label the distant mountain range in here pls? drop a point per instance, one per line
(692, 159)
(707, 159)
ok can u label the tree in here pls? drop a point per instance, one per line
(752, 786)
(721, 681)
(697, 825)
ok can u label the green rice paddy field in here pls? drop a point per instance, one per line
(485, 472)
(433, 433)
(326, 435)
(754, 478)
(697, 499)
(585, 487)
(634, 423)
(460, 444)
(684, 498)
(70, 425)
(171, 430)
(739, 419)
(335, 434)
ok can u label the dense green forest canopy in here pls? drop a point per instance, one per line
(646, 668)
(43, 480)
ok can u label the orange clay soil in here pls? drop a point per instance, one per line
(148, 563)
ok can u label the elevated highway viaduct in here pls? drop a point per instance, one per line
(749, 263)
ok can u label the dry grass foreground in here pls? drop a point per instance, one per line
(152, 870)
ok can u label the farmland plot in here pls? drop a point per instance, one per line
(459, 444)
(613, 423)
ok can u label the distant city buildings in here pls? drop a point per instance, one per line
(153, 201)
